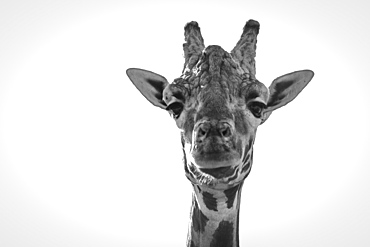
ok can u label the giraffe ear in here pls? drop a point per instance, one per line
(285, 88)
(150, 84)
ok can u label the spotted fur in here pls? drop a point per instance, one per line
(223, 235)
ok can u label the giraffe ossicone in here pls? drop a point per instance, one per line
(217, 103)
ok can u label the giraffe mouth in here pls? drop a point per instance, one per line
(215, 155)
(213, 160)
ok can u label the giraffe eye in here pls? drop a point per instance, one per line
(175, 109)
(256, 108)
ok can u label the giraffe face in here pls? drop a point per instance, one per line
(218, 104)
(218, 119)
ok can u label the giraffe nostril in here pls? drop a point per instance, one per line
(202, 131)
(226, 132)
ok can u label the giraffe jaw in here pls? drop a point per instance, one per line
(217, 178)
(220, 172)
(217, 167)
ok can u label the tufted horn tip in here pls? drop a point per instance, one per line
(191, 25)
(251, 25)
(192, 32)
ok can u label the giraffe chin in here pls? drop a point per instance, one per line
(218, 178)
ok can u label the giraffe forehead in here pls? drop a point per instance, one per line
(215, 69)
(216, 75)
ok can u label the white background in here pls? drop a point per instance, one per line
(85, 160)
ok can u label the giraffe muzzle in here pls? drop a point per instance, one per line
(221, 131)
(214, 144)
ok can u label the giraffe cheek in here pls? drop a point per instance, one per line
(241, 123)
(239, 147)
(186, 124)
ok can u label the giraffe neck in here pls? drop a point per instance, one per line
(214, 217)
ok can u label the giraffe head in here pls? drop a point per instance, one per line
(218, 103)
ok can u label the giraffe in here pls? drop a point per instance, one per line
(217, 104)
